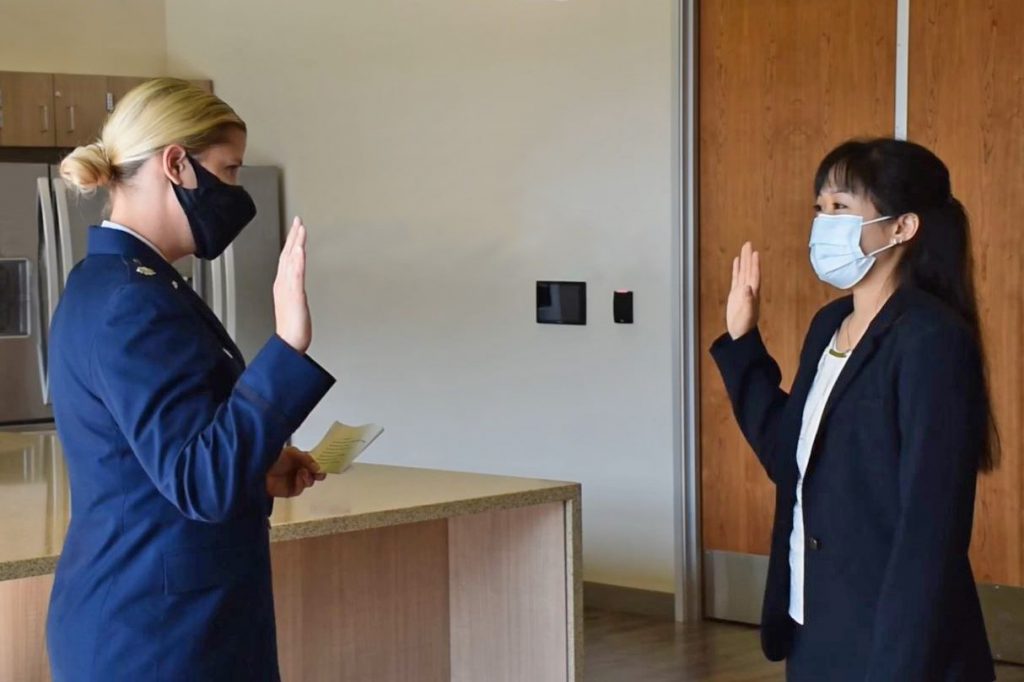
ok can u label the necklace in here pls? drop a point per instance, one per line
(835, 352)
(845, 327)
(834, 348)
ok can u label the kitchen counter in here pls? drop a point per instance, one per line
(476, 571)
(34, 506)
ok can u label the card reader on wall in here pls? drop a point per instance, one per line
(622, 307)
(562, 303)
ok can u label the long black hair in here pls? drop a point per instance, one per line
(901, 177)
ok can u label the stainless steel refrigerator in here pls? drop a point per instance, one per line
(43, 234)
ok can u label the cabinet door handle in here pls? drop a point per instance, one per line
(46, 117)
(1, 119)
(1, 98)
(71, 118)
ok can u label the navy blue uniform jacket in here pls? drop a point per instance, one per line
(888, 495)
(165, 571)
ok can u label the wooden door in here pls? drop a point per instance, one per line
(81, 108)
(26, 106)
(781, 83)
(967, 104)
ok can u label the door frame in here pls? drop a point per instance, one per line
(689, 593)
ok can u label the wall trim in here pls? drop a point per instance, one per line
(1003, 607)
(629, 600)
(736, 583)
(902, 68)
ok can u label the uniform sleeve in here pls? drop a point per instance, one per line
(752, 379)
(155, 372)
(941, 422)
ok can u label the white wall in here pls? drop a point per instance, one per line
(108, 37)
(446, 155)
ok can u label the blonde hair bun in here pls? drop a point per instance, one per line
(152, 116)
(88, 168)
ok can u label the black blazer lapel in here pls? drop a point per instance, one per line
(890, 312)
(865, 350)
(818, 337)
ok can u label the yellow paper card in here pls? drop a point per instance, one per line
(342, 444)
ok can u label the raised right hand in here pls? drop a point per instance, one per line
(741, 312)
(291, 311)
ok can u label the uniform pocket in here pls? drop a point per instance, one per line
(202, 569)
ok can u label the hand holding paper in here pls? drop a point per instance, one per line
(342, 445)
(292, 473)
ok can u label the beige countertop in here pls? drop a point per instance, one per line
(34, 505)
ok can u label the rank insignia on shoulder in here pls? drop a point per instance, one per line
(143, 270)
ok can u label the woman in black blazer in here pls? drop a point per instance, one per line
(876, 449)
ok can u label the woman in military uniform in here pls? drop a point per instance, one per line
(175, 448)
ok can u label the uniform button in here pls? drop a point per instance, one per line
(814, 544)
(174, 284)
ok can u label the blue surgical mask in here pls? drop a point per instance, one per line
(836, 255)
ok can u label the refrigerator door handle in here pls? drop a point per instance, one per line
(60, 195)
(217, 287)
(46, 226)
(230, 293)
(198, 284)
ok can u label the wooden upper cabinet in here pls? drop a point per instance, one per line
(63, 110)
(119, 86)
(81, 108)
(26, 110)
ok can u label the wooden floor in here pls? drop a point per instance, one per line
(626, 648)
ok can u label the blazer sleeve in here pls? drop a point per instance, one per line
(752, 379)
(155, 373)
(941, 423)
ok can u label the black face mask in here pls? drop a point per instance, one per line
(216, 211)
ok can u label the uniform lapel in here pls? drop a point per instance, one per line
(109, 241)
(212, 322)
